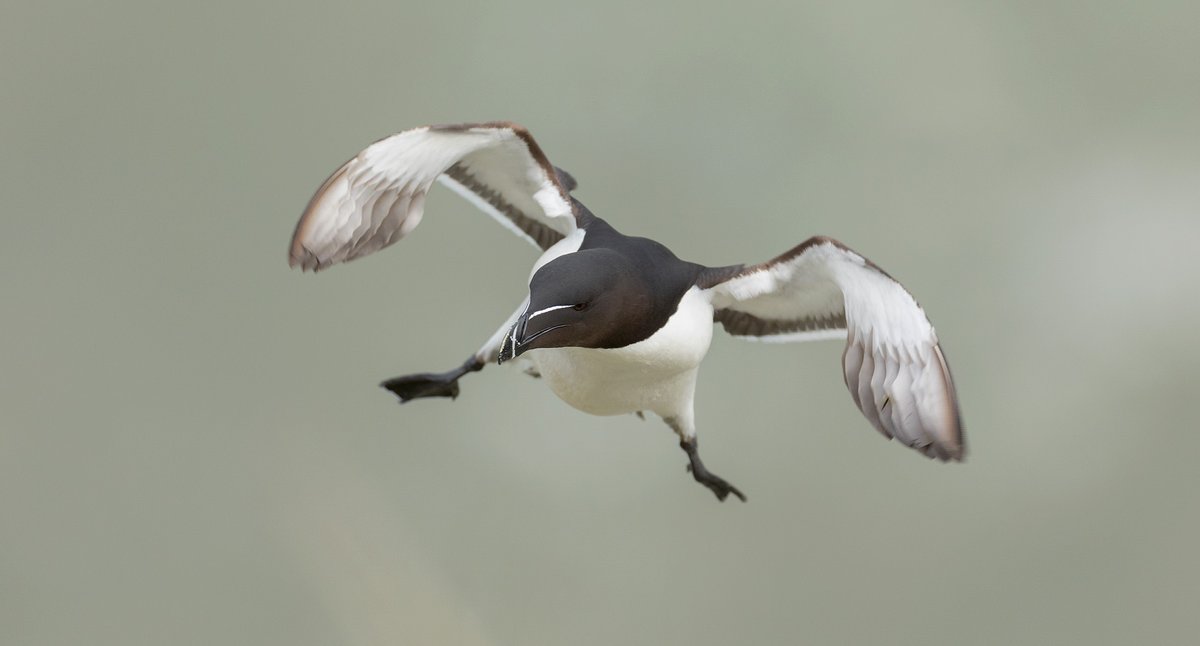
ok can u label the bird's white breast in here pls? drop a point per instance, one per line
(657, 374)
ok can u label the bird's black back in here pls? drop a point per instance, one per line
(665, 278)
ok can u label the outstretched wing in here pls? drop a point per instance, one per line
(893, 365)
(378, 197)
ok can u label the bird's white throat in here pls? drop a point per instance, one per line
(657, 374)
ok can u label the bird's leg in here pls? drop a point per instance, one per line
(716, 483)
(432, 384)
(445, 384)
(687, 441)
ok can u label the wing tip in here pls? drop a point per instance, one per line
(937, 436)
(947, 443)
(298, 251)
(298, 254)
(956, 446)
(944, 452)
(301, 256)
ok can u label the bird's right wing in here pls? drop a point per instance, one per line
(378, 197)
(893, 365)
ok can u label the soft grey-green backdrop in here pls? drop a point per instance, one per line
(194, 451)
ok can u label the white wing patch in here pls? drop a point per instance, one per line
(378, 197)
(893, 365)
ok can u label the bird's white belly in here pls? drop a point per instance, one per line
(657, 374)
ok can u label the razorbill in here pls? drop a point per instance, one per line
(618, 324)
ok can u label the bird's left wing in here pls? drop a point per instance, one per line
(893, 365)
(378, 197)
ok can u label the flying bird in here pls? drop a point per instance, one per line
(618, 324)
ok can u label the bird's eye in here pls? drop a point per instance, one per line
(579, 307)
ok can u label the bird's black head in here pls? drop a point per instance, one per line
(587, 299)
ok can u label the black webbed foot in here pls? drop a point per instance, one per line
(430, 384)
(426, 384)
(718, 485)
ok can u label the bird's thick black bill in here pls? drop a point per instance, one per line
(508, 346)
(519, 339)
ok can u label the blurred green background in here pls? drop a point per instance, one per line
(194, 450)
